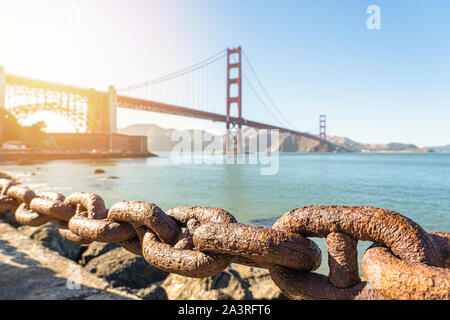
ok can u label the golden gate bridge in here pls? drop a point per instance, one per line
(93, 111)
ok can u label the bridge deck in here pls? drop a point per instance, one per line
(148, 105)
(153, 106)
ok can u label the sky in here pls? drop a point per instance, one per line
(314, 57)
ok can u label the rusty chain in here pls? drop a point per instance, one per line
(405, 262)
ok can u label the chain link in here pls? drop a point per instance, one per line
(405, 262)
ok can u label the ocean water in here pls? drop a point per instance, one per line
(416, 185)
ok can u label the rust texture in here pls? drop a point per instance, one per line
(202, 214)
(442, 240)
(190, 263)
(100, 230)
(184, 243)
(342, 260)
(88, 201)
(8, 203)
(149, 215)
(405, 237)
(26, 216)
(313, 286)
(191, 226)
(66, 233)
(21, 194)
(402, 280)
(133, 245)
(57, 209)
(258, 244)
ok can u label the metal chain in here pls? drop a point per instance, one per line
(405, 261)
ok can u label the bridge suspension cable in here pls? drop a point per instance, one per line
(219, 55)
(267, 93)
(260, 99)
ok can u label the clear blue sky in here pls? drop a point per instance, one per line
(314, 57)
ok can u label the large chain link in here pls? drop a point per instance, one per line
(405, 262)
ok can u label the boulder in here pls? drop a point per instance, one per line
(154, 292)
(6, 176)
(260, 283)
(234, 283)
(29, 270)
(49, 237)
(8, 216)
(99, 171)
(122, 268)
(95, 249)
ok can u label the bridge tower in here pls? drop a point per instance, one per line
(234, 76)
(112, 105)
(323, 133)
(101, 112)
(2, 99)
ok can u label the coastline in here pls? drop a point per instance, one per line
(27, 156)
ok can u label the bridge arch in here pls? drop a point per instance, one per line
(55, 122)
(76, 118)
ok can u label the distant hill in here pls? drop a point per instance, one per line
(443, 149)
(159, 139)
(394, 147)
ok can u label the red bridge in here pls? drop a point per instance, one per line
(93, 111)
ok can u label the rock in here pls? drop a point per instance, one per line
(49, 237)
(5, 176)
(28, 270)
(154, 292)
(8, 216)
(95, 249)
(236, 282)
(112, 177)
(123, 268)
(8, 177)
(261, 284)
(98, 171)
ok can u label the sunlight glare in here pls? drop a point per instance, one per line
(54, 122)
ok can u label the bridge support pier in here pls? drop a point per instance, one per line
(112, 109)
(101, 113)
(323, 146)
(2, 100)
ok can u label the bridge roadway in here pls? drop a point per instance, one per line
(153, 106)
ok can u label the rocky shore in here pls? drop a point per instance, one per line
(37, 263)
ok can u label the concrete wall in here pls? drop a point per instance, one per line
(100, 142)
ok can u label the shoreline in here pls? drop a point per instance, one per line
(25, 157)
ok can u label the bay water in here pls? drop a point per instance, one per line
(415, 185)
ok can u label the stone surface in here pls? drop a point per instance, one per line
(96, 249)
(28, 270)
(49, 237)
(154, 292)
(123, 268)
(234, 283)
(8, 216)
